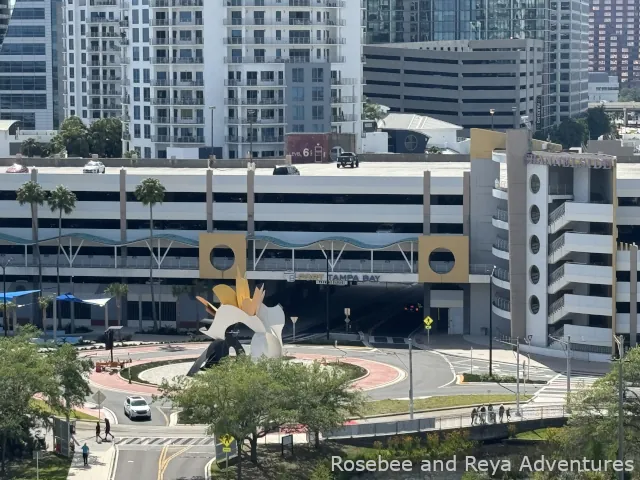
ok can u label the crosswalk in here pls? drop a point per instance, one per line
(555, 393)
(164, 441)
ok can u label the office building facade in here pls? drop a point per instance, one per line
(475, 84)
(30, 64)
(199, 77)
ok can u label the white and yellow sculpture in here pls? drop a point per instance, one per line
(240, 307)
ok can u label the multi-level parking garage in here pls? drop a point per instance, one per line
(527, 234)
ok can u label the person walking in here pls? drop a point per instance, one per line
(107, 430)
(501, 412)
(474, 415)
(508, 414)
(85, 454)
(97, 431)
(483, 414)
(490, 415)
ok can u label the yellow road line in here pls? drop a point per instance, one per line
(166, 462)
(163, 453)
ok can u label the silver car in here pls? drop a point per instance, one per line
(94, 167)
(137, 407)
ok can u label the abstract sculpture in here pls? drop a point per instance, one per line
(238, 306)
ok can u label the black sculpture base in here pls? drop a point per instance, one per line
(216, 351)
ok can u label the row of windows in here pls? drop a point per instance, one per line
(23, 83)
(29, 31)
(24, 49)
(23, 67)
(19, 101)
(20, 13)
(293, 198)
(201, 225)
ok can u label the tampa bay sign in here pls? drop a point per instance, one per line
(338, 277)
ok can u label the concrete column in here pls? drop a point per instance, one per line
(34, 178)
(625, 113)
(426, 299)
(466, 203)
(426, 203)
(633, 295)
(466, 289)
(123, 205)
(209, 200)
(251, 180)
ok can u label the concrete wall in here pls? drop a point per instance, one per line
(482, 207)
(479, 308)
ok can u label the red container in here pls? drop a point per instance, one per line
(309, 147)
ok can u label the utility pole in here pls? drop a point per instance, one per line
(517, 345)
(620, 342)
(567, 344)
(491, 308)
(5, 263)
(410, 377)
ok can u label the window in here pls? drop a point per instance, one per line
(317, 112)
(297, 75)
(136, 130)
(298, 112)
(317, 94)
(298, 94)
(23, 49)
(317, 75)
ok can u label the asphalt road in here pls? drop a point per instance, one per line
(189, 463)
(137, 464)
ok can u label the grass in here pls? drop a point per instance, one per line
(474, 377)
(389, 407)
(75, 414)
(52, 467)
(136, 370)
(541, 434)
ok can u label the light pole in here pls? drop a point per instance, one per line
(347, 312)
(620, 342)
(250, 113)
(410, 342)
(213, 109)
(294, 320)
(491, 317)
(491, 112)
(567, 344)
(5, 263)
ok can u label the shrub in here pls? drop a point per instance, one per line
(512, 430)
(322, 471)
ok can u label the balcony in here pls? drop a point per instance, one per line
(284, 22)
(560, 192)
(254, 101)
(578, 304)
(289, 3)
(249, 40)
(255, 121)
(501, 278)
(501, 307)
(178, 41)
(254, 83)
(187, 60)
(571, 242)
(500, 190)
(499, 155)
(500, 219)
(500, 248)
(301, 59)
(175, 3)
(177, 101)
(256, 140)
(344, 118)
(569, 273)
(189, 121)
(186, 139)
(570, 212)
(348, 99)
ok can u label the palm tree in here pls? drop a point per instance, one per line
(61, 200)
(33, 194)
(43, 304)
(11, 311)
(118, 290)
(151, 192)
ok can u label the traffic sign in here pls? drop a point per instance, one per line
(428, 321)
(226, 449)
(226, 440)
(99, 397)
(428, 327)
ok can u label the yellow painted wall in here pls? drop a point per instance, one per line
(235, 241)
(458, 245)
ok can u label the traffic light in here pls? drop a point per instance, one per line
(108, 340)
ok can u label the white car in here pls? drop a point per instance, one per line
(94, 167)
(136, 407)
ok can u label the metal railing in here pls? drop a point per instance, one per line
(320, 265)
(501, 244)
(557, 244)
(501, 185)
(556, 275)
(103, 261)
(501, 274)
(502, 303)
(560, 189)
(449, 422)
(502, 215)
(480, 269)
(557, 305)
(557, 213)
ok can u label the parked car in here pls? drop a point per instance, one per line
(348, 158)
(17, 168)
(286, 170)
(94, 167)
(136, 407)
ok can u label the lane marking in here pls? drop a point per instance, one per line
(166, 419)
(163, 453)
(168, 460)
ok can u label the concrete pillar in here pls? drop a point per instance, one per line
(426, 299)
(625, 114)
(426, 203)
(466, 289)
(466, 203)
(209, 200)
(251, 180)
(633, 295)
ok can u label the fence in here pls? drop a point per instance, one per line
(450, 422)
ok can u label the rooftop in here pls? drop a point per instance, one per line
(417, 123)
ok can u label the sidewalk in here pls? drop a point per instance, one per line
(101, 457)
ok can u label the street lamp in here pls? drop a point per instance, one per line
(492, 112)
(620, 343)
(347, 312)
(4, 264)
(213, 109)
(326, 311)
(250, 116)
(491, 318)
(294, 320)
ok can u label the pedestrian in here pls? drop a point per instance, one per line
(501, 412)
(483, 414)
(491, 416)
(97, 431)
(107, 430)
(508, 414)
(85, 454)
(474, 415)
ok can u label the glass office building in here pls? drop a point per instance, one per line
(29, 59)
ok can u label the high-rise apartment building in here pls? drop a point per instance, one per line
(194, 77)
(614, 27)
(30, 56)
(561, 25)
(5, 12)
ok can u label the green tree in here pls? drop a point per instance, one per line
(570, 133)
(72, 379)
(105, 137)
(73, 137)
(150, 192)
(43, 304)
(24, 373)
(118, 290)
(31, 148)
(321, 397)
(130, 154)
(31, 193)
(598, 122)
(63, 201)
(372, 111)
(629, 94)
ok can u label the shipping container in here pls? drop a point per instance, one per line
(316, 147)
